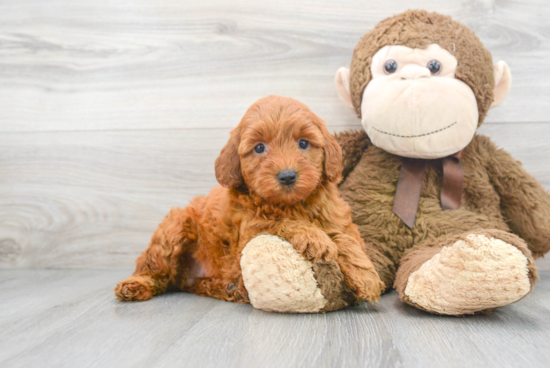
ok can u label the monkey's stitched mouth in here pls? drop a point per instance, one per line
(415, 136)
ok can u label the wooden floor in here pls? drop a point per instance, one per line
(69, 318)
(111, 112)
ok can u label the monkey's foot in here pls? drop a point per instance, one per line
(475, 274)
(278, 278)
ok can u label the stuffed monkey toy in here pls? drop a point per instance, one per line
(452, 222)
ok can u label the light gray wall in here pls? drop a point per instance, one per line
(111, 112)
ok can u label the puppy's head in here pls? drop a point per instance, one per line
(280, 151)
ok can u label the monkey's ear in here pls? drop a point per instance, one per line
(342, 85)
(228, 163)
(503, 82)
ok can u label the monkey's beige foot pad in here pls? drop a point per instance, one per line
(472, 275)
(278, 278)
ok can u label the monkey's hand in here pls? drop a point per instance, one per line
(524, 201)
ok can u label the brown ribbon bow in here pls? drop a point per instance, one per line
(409, 186)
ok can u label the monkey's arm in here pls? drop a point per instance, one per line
(524, 202)
(353, 144)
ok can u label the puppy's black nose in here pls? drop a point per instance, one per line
(287, 177)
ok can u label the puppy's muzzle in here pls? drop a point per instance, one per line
(287, 177)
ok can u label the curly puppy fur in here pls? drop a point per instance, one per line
(198, 248)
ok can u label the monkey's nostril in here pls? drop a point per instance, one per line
(287, 177)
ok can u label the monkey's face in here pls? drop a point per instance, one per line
(414, 106)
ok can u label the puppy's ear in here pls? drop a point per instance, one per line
(333, 154)
(228, 163)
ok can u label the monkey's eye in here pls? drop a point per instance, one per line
(434, 66)
(260, 148)
(390, 66)
(303, 144)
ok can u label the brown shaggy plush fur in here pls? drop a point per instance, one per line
(498, 195)
(418, 29)
(198, 248)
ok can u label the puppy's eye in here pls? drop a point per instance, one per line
(390, 66)
(434, 66)
(303, 144)
(260, 148)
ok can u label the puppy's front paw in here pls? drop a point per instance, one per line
(366, 284)
(314, 245)
(135, 288)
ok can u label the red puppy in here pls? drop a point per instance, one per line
(279, 174)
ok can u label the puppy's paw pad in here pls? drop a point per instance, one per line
(134, 289)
